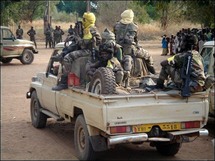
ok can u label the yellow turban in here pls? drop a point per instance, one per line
(90, 18)
(127, 16)
(89, 21)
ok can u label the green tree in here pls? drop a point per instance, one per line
(72, 7)
(201, 11)
(24, 10)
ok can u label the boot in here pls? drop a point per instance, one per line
(57, 58)
(63, 84)
(151, 69)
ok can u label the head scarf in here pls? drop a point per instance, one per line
(108, 36)
(127, 16)
(89, 21)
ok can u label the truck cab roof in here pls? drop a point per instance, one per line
(209, 43)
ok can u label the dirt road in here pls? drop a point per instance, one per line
(20, 141)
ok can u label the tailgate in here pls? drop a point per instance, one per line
(156, 108)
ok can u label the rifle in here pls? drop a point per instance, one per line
(185, 74)
(79, 28)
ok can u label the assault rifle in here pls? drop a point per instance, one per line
(79, 28)
(185, 74)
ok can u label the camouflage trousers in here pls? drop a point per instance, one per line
(138, 61)
(71, 65)
(174, 74)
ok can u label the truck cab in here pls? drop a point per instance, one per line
(11, 47)
(208, 54)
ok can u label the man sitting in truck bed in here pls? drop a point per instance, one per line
(91, 39)
(173, 67)
(107, 57)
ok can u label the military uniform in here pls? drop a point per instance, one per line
(48, 35)
(57, 36)
(32, 34)
(134, 61)
(19, 33)
(173, 66)
(106, 59)
(87, 44)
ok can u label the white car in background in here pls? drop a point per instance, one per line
(13, 48)
(208, 54)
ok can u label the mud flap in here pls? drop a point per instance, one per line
(98, 143)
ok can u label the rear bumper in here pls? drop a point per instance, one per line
(119, 139)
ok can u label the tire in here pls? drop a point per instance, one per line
(6, 60)
(82, 142)
(168, 149)
(38, 118)
(27, 57)
(103, 82)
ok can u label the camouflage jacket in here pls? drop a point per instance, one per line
(94, 42)
(126, 34)
(197, 68)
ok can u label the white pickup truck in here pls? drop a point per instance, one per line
(162, 118)
(208, 54)
(13, 48)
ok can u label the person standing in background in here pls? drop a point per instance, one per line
(61, 34)
(32, 34)
(48, 35)
(19, 33)
(164, 46)
(71, 31)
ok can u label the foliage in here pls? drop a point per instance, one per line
(109, 11)
(140, 13)
(201, 11)
(72, 7)
(24, 10)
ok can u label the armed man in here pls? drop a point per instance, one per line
(49, 37)
(57, 35)
(135, 58)
(110, 55)
(185, 69)
(19, 33)
(32, 34)
(88, 44)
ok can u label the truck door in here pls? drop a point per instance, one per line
(48, 98)
(208, 53)
(7, 42)
(1, 42)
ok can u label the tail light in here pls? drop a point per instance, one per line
(120, 129)
(190, 124)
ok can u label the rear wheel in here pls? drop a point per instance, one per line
(168, 149)
(6, 60)
(103, 81)
(27, 57)
(82, 142)
(38, 118)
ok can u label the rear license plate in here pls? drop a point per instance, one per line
(163, 126)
